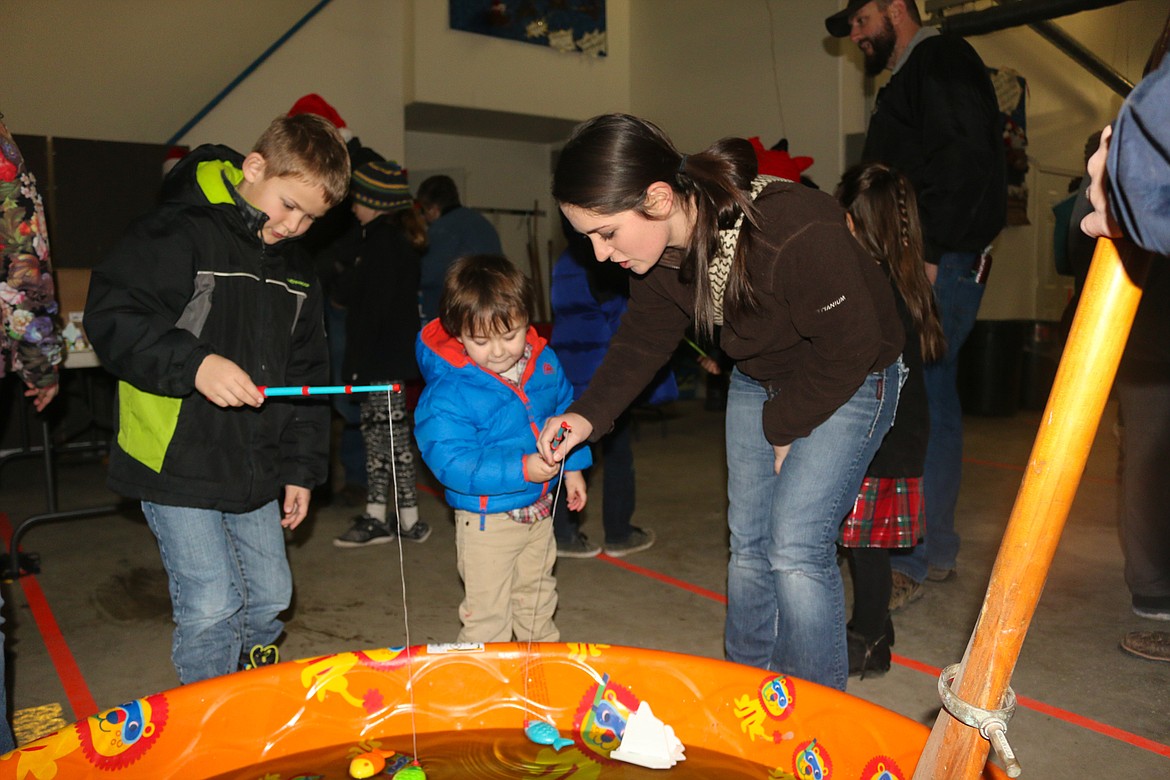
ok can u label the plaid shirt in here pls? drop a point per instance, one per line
(541, 508)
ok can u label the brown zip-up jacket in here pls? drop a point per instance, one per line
(825, 319)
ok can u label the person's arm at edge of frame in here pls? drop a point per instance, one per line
(650, 330)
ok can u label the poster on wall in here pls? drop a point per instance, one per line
(570, 26)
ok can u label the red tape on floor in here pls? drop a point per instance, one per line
(76, 689)
(83, 704)
(1022, 701)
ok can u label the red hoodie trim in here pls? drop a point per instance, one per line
(449, 348)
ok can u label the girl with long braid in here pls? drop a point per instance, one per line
(809, 318)
(882, 213)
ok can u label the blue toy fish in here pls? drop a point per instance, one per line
(543, 733)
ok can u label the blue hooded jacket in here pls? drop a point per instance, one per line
(474, 428)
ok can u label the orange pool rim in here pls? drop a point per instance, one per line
(244, 724)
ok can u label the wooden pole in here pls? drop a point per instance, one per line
(1112, 291)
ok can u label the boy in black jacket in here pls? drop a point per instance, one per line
(203, 300)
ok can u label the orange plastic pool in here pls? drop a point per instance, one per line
(466, 714)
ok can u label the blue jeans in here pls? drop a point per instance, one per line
(958, 296)
(785, 600)
(229, 579)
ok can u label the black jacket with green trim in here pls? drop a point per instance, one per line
(190, 279)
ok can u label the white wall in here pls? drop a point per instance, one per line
(1065, 103)
(129, 70)
(494, 174)
(351, 54)
(704, 71)
(133, 70)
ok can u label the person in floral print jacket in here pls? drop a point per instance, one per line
(29, 335)
(30, 339)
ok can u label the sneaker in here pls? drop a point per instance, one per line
(579, 547)
(419, 532)
(637, 541)
(938, 574)
(1152, 607)
(1153, 645)
(365, 531)
(261, 655)
(905, 591)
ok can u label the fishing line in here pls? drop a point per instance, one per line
(402, 569)
(390, 389)
(543, 568)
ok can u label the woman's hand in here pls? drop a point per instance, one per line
(781, 454)
(577, 430)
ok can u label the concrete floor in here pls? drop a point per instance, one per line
(1083, 702)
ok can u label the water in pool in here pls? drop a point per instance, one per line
(501, 753)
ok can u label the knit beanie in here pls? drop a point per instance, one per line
(382, 186)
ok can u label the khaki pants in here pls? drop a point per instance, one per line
(507, 578)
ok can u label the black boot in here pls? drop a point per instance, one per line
(868, 656)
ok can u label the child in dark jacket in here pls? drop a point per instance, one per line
(882, 213)
(379, 292)
(588, 299)
(491, 384)
(202, 301)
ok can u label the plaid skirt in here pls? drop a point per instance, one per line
(888, 513)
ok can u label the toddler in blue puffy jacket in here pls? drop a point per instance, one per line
(491, 382)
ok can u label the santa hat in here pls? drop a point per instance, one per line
(777, 162)
(313, 103)
(174, 154)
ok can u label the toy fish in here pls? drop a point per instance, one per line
(543, 733)
(368, 764)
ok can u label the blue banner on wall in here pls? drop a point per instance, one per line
(565, 25)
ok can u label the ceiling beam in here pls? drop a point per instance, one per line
(1037, 14)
